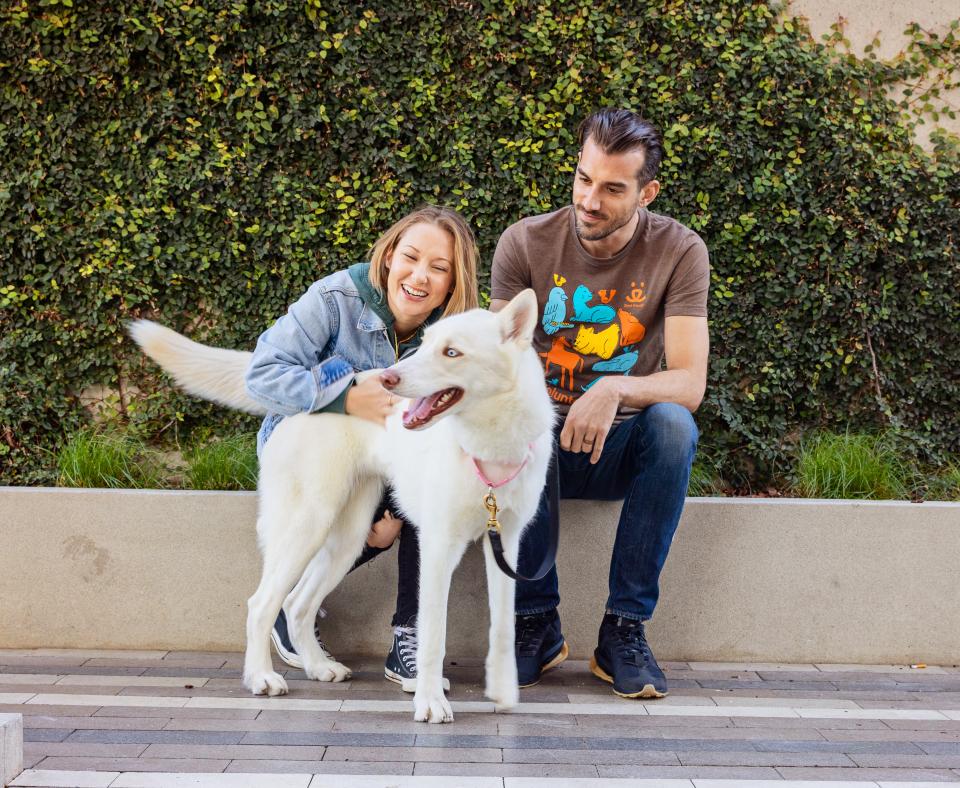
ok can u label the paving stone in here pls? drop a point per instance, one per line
(103, 699)
(84, 749)
(49, 688)
(133, 764)
(128, 681)
(209, 673)
(64, 779)
(150, 737)
(940, 748)
(201, 724)
(325, 767)
(849, 747)
(921, 725)
(180, 712)
(792, 686)
(733, 734)
(190, 662)
(63, 711)
(874, 735)
(253, 766)
(909, 761)
(593, 757)
(46, 734)
(45, 664)
(690, 772)
(764, 759)
(860, 773)
(95, 723)
(816, 724)
(8, 679)
(445, 754)
(224, 780)
(565, 770)
(232, 752)
(649, 723)
(328, 738)
(79, 670)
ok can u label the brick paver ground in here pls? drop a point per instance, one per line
(119, 716)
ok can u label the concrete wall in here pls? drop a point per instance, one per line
(768, 580)
(864, 20)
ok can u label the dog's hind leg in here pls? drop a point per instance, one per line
(438, 558)
(324, 572)
(501, 665)
(285, 556)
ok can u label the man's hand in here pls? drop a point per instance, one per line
(384, 531)
(589, 419)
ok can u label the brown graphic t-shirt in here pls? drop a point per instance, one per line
(601, 316)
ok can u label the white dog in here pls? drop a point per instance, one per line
(477, 384)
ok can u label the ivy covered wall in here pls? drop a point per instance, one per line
(202, 162)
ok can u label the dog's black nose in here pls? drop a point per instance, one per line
(389, 379)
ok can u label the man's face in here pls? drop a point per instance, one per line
(605, 191)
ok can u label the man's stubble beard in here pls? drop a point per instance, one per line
(599, 234)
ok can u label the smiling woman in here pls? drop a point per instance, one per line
(422, 268)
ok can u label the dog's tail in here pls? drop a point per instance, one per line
(206, 372)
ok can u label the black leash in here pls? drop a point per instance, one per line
(493, 526)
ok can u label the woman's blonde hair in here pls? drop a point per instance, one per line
(465, 254)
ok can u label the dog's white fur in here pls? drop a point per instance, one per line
(321, 477)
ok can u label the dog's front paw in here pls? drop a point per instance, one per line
(265, 683)
(431, 707)
(329, 670)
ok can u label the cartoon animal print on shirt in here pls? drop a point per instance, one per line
(584, 313)
(560, 356)
(591, 343)
(555, 311)
(631, 329)
(622, 363)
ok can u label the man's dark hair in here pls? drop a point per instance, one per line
(620, 130)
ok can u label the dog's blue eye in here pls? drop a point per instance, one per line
(452, 353)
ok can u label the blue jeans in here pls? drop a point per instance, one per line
(645, 462)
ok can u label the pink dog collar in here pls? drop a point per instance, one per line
(511, 474)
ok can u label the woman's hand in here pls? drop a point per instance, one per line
(369, 400)
(383, 532)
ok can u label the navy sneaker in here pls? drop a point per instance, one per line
(400, 666)
(623, 658)
(539, 645)
(280, 636)
(401, 662)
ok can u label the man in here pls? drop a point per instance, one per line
(621, 290)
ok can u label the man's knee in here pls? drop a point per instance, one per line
(670, 432)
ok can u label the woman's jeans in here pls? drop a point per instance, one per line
(646, 462)
(408, 565)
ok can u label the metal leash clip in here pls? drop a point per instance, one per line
(490, 501)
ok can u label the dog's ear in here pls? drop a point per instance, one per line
(519, 318)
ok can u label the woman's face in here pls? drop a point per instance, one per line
(420, 274)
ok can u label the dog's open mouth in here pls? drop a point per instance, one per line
(423, 409)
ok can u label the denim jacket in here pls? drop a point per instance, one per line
(307, 359)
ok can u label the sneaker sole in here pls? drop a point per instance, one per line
(293, 660)
(562, 654)
(648, 691)
(409, 683)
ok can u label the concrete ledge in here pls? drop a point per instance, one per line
(11, 747)
(747, 580)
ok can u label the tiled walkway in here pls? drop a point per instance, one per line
(178, 718)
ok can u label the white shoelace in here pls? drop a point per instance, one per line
(408, 646)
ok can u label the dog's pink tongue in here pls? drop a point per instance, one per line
(419, 410)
